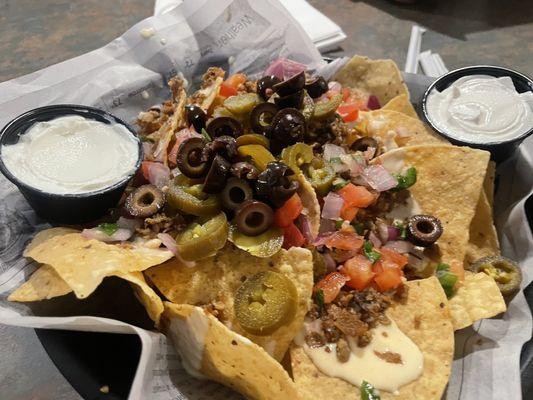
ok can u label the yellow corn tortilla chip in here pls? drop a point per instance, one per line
(483, 240)
(83, 263)
(44, 284)
(425, 319)
(145, 294)
(402, 105)
(209, 348)
(394, 129)
(216, 279)
(310, 203)
(449, 182)
(477, 298)
(488, 185)
(382, 78)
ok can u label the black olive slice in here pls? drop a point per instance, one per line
(145, 201)
(261, 117)
(189, 158)
(362, 144)
(254, 217)
(226, 146)
(289, 86)
(235, 193)
(224, 126)
(282, 193)
(195, 117)
(293, 100)
(288, 126)
(423, 230)
(316, 86)
(266, 82)
(216, 177)
(273, 185)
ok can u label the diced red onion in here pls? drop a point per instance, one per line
(344, 255)
(383, 232)
(284, 68)
(374, 239)
(332, 151)
(379, 178)
(158, 173)
(305, 227)
(332, 206)
(334, 86)
(120, 235)
(399, 246)
(373, 103)
(326, 226)
(417, 260)
(393, 233)
(129, 223)
(369, 153)
(331, 265)
(170, 243)
(353, 166)
(322, 239)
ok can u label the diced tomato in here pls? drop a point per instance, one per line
(357, 196)
(390, 255)
(456, 267)
(235, 80)
(346, 92)
(344, 240)
(227, 91)
(331, 285)
(348, 212)
(292, 237)
(388, 275)
(359, 269)
(348, 111)
(288, 212)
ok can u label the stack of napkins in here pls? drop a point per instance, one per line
(324, 33)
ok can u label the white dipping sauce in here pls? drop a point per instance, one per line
(72, 155)
(481, 109)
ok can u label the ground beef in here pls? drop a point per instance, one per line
(364, 340)
(347, 321)
(211, 76)
(331, 332)
(247, 87)
(343, 351)
(390, 357)
(371, 306)
(315, 339)
(160, 223)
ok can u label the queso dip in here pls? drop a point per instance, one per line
(72, 155)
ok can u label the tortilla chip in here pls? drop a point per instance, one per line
(208, 347)
(216, 279)
(425, 319)
(44, 284)
(477, 298)
(483, 236)
(488, 185)
(382, 78)
(402, 105)
(83, 263)
(394, 129)
(310, 203)
(145, 294)
(449, 182)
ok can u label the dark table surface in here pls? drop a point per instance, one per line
(35, 34)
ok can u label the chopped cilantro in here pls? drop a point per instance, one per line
(406, 180)
(339, 183)
(108, 228)
(368, 250)
(335, 160)
(369, 392)
(319, 298)
(338, 224)
(359, 227)
(206, 136)
(401, 227)
(446, 278)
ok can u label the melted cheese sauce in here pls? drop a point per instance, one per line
(366, 364)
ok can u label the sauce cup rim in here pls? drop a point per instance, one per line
(65, 110)
(468, 71)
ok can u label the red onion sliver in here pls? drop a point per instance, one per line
(344, 255)
(129, 223)
(373, 103)
(169, 242)
(379, 178)
(393, 233)
(332, 151)
(120, 235)
(305, 227)
(326, 226)
(369, 153)
(374, 239)
(158, 173)
(383, 232)
(332, 206)
(400, 246)
(284, 68)
(331, 266)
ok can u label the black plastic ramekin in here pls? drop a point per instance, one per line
(66, 208)
(501, 149)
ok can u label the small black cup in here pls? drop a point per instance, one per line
(502, 149)
(65, 208)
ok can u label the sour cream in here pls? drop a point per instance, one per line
(72, 155)
(481, 109)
